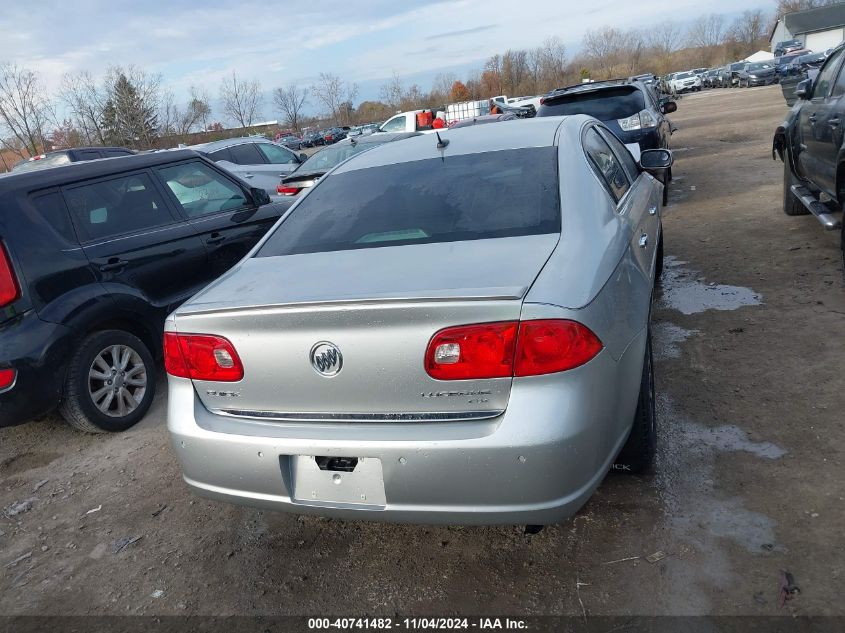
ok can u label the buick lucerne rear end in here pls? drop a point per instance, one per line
(447, 331)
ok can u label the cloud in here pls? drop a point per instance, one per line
(476, 29)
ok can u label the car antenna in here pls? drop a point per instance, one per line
(441, 144)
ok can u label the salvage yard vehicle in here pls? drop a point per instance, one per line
(491, 365)
(812, 147)
(326, 159)
(757, 74)
(686, 82)
(93, 256)
(68, 156)
(628, 108)
(259, 161)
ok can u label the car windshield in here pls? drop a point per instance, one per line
(683, 75)
(469, 197)
(333, 155)
(50, 160)
(606, 104)
(759, 66)
(737, 65)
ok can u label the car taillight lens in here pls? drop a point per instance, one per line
(472, 351)
(7, 378)
(630, 123)
(287, 191)
(9, 290)
(510, 348)
(201, 357)
(552, 345)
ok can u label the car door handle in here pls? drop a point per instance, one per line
(834, 122)
(813, 118)
(113, 264)
(215, 238)
(652, 210)
(248, 175)
(643, 240)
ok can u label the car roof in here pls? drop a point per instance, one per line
(475, 139)
(65, 174)
(375, 139)
(227, 142)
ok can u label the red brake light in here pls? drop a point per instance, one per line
(287, 191)
(7, 378)
(201, 357)
(472, 351)
(9, 290)
(542, 100)
(553, 345)
(510, 348)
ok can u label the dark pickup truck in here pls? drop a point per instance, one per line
(811, 143)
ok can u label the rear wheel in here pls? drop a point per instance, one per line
(638, 453)
(791, 204)
(110, 383)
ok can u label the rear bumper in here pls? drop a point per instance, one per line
(38, 351)
(537, 463)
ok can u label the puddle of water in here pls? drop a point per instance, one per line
(667, 337)
(682, 291)
(729, 438)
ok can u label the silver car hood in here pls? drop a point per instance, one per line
(502, 268)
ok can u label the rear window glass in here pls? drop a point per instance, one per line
(327, 158)
(50, 160)
(478, 196)
(605, 105)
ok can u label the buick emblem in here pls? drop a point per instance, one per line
(326, 358)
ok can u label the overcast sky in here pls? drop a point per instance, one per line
(197, 43)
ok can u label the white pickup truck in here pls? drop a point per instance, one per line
(408, 121)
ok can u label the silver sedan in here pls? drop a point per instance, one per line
(449, 330)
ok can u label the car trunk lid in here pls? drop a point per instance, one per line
(378, 308)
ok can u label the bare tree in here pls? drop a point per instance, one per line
(749, 29)
(332, 92)
(241, 99)
(707, 30)
(85, 101)
(790, 6)
(441, 87)
(202, 100)
(664, 38)
(392, 91)
(25, 111)
(290, 101)
(548, 64)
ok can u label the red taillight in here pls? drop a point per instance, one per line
(201, 357)
(542, 100)
(510, 348)
(9, 290)
(472, 351)
(553, 345)
(7, 378)
(287, 191)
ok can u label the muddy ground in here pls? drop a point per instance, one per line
(750, 332)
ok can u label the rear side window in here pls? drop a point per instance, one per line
(200, 190)
(606, 163)
(477, 196)
(88, 154)
(221, 154)
(622, 154)
(276, 155)
(56, 159)
(246, 154)
(605, 105)
(51, 207)
(115, 207)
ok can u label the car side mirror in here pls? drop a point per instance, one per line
(804, 89)
(669, 107)
(656, 159)
(259, 196)
(303, 157)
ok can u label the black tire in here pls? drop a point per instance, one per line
(78, 407)
(638, 453)
(791, 204)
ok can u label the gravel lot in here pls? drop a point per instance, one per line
(750, 340)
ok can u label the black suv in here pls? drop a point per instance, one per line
(811, 143)
(67, 156)
(631, 109)
(93, 257)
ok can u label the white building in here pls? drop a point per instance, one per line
(818, 29)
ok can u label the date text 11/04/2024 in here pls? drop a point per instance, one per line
(430, 623)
